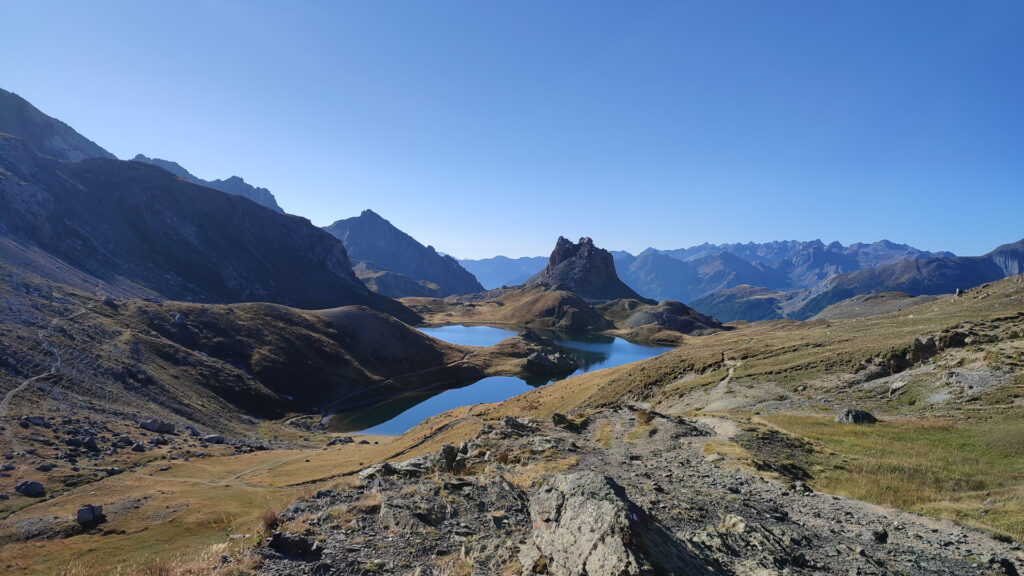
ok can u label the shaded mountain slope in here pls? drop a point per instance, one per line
(392, 284)
(217, 365)
(743, 302)
(369, 237)
(925, 276)
(129, 223)
(233, 185)
(42, 133)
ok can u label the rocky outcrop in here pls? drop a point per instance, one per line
(673, 316)
(233, 185)
(595, 503)
(370, 238)
(585, 270)
(581, 527)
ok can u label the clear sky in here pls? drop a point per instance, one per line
(485, 127)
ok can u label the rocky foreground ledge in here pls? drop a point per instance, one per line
(618, 493)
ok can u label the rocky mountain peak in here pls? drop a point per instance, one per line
(43, 134)
(585, 269)
(412, 266)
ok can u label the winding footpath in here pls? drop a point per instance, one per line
(54, 367)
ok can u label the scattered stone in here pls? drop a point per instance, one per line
(290, 543)
(158, 426)
(851, 416)
(35, 421)
(213, 439)
(339, 440)
(138, 447)
(113, 471)
(90, 515)
(30, 489)
(572, 425)
(44, 467)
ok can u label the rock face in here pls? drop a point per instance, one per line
(580, 529)
(373, 239)
(234, 185)
(43, 134)
(584, 269)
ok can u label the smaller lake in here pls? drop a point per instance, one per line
(400, 413)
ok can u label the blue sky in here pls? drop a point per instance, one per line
(494, 127)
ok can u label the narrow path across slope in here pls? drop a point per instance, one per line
(54, 367)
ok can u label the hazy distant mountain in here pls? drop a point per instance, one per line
(912, 277)
(504, 271)
(131, 224)
(43, 134)
(369, 237)
(584, 269)
(233, 185)
(688, 274)
(923, 276)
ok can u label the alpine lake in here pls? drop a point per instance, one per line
(400, 413)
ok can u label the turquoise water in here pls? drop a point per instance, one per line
(398, 414)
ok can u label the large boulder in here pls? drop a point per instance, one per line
(31, 489)
(852, 416)
(581, 527)
(158, 426)
(292, 544)
(90, 515)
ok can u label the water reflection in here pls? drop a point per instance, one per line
(398, 414)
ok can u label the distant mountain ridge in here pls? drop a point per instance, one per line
(370, 238)
(687, 274)
(781, 265)
(913, 276)
(43, 134)
(504, 271)
(233, 185)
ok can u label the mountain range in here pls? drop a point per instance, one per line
(786, 279)
(234, 185)
(504, 271)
